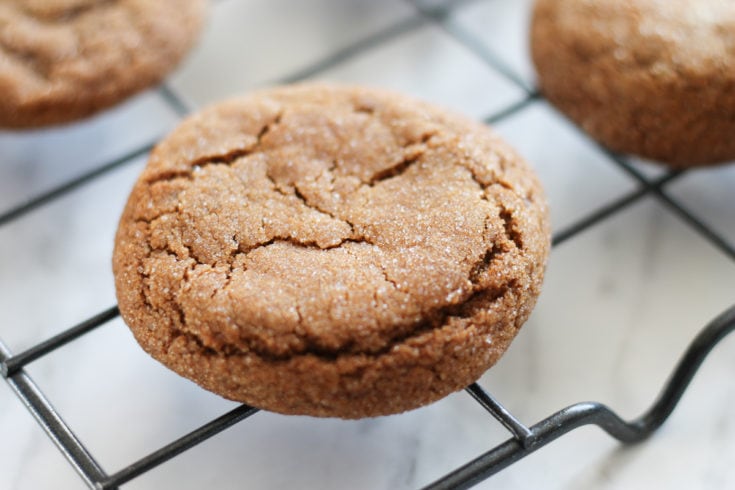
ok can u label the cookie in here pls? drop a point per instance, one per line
(330, 250)
(63, 60)
(655, 78)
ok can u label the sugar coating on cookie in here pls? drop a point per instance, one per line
(655, 78)
(331, 250)
(62, 60)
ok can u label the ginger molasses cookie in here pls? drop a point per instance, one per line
(330, 250)
(62, 60)
(655, 78)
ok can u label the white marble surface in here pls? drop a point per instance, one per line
(620, 303)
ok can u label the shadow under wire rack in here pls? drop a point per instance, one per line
(524, 439)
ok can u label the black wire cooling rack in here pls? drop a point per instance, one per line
(524, 440)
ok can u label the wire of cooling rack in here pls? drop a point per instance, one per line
(524, 440)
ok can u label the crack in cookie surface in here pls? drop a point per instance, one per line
(60, 11)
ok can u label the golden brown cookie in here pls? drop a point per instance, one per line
(330, 250)
(62, 60)
(654, 78)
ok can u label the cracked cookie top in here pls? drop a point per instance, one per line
(325, 220)
(62, 60)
